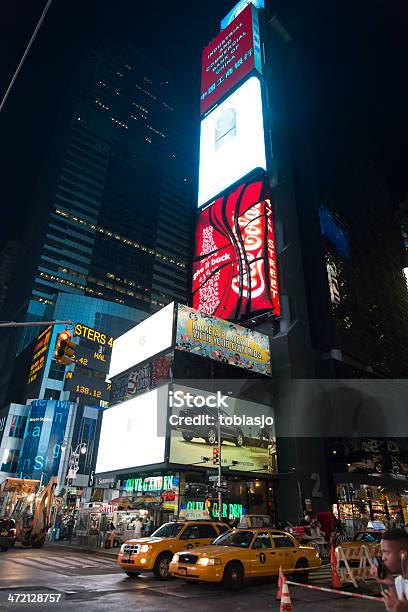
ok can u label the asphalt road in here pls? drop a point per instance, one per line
(95, 583)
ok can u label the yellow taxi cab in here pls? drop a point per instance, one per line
(245, 553)
(155, 552)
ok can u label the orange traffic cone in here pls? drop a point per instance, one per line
(336, 582)
(280, 581)
(286, 604)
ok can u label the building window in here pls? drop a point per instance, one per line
(52, 394)
(17, 426)
(56, 371)
(10, 460)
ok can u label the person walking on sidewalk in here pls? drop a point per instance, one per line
(70, 528)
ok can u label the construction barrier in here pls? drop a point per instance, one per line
(363, 555)
(336, 591)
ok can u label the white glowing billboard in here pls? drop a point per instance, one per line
(232, 141)
(150, 337)
(129, 436)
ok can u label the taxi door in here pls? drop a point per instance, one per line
(263, 556)
(287, 553)
(194, 536)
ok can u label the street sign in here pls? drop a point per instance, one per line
(213, 478)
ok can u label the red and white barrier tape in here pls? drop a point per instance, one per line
(345, 593)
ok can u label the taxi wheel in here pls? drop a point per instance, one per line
(233, 576)
(38, 544)
(239, 440)
(211, 437)
(161, 567)
(188, 437)
(132, 574)
(301, 576)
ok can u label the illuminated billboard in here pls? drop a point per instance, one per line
(151, 336)
(247, 431)
(44, 434)
(220, 340)
(234, 268)
(238, 8)
(232, 141)
(233, 54)
(129, 433)
(39, 354)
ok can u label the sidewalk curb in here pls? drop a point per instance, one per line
(95, 551)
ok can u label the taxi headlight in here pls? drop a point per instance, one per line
(175, 559)
(122, 548)
(209, 561)
(144, 548)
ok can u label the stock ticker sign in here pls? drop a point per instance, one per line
(233, 54)
(234, 269)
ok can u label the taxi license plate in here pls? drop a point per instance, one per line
(182, 571)
(126, 555)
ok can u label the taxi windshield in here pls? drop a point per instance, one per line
(239, 538)
(168, 530)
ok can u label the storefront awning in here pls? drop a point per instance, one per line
(122, 501)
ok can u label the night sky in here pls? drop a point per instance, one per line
(355, 52)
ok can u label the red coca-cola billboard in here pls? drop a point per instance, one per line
(233, 54)
(234, 269)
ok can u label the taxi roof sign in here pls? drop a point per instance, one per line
(194, 515)
(375, 525)
(255, 520)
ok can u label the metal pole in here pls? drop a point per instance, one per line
(47, 6)
(219, 467)
(33, 323)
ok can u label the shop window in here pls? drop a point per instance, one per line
(282, 541)
(17, 426)
(262, 540)
(207, 531)
(10, 460)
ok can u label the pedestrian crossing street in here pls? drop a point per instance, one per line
(60, 563)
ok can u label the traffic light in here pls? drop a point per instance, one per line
(216, 456)
(63, 352)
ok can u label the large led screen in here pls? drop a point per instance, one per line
(247, 431)
(238, 8)
(129, 434)
(235, 268)
(228, 58)
(232, 141)
(222, 341)
(145, 340)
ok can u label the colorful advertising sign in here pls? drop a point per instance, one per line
(45, 432)
(238, 8)
(141, 378)
(232, 141)
(234, 269)
(220, 340)
(230, 57)
(247, 430)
